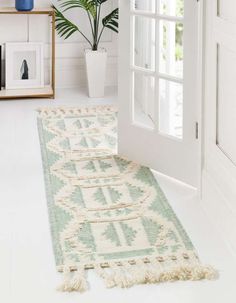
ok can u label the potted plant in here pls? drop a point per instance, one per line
(95, 57)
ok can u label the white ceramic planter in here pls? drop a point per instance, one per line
(96, 62)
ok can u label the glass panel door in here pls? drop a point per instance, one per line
(157, 64)
(158, 59)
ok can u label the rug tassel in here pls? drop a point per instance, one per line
(127, 275)
(74, 281)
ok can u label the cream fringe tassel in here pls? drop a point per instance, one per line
(127, 274)
(59, 112)
(74, 280)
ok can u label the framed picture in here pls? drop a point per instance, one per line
(24, 65)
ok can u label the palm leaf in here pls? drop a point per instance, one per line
(111, 20)
(64, 27)
(96, 2)
(87, 5)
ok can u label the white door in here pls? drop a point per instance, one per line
(158, 76)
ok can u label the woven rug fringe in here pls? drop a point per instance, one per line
(126, 275)
(74, 281)
(53, 112)
(129, 275)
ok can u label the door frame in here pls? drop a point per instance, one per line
(201, 88)
(200, 91)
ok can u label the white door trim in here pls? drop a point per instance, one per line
(200, 90)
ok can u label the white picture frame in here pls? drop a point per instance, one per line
(24, 65)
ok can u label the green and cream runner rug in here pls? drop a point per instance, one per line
(106, 212)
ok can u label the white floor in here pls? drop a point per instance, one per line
(27, 270)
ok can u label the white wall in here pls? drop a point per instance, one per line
(70, 65)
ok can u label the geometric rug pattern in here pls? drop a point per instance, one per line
(107, 212)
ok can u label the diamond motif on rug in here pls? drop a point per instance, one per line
(106, 212)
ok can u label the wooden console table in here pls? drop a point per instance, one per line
(49, 90)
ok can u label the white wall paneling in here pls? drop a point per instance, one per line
(219, 176)
(70, 63)
(226, 105)
(227, 10)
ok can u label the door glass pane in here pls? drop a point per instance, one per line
(144, 42)
(143, 99)
(172, 7)
(171, 108)
(171, 48)
(144, 5)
